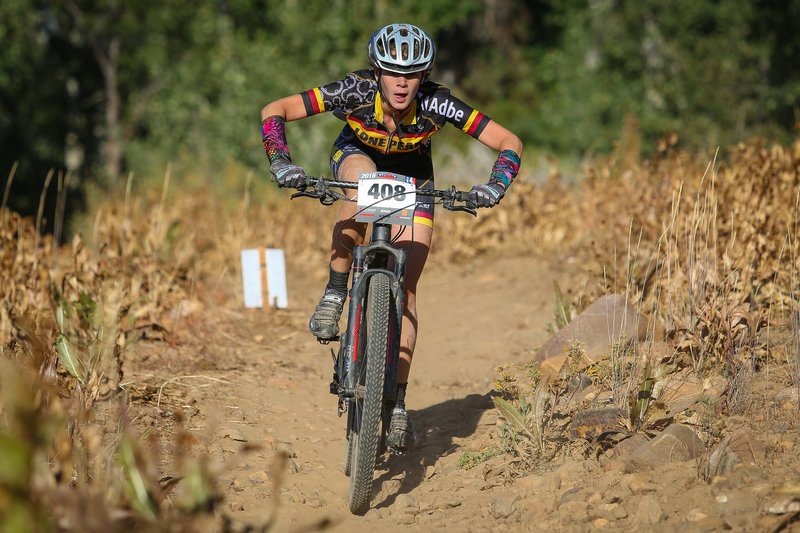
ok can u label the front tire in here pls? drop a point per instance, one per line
(366, 420)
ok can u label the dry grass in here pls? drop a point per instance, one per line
(709, 247)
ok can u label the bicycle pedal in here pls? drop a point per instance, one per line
(396, 451)
(328, 341)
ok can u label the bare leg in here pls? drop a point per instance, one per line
(353, 233)
(417, 256)
(348, 233)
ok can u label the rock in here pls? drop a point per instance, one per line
(503, 507)
(403, 518)
(610, 511)
(680, 394)
(694, 445)
(406, 502)
(713, 523)
(373, 514)
(446, 501)
(592, 423)
(405, 509)
(740, 447)
(574, 511)
(549, 482)
(783, 505)
(665, 448)
(569, 495)
(648, 512)
(630, 446)
(598, 327)
(639, 482)
(696, 515)
(570, 471)
(677, 443)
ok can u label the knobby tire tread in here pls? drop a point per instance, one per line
(367, 434)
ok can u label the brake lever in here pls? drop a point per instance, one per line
(461, 208)
(307, 194)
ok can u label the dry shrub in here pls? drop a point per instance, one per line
(73, 460)
(67, 315)
(708, 247)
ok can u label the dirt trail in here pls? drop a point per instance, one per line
(243, 386)
(272, 392)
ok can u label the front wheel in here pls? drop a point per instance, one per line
(370, 371)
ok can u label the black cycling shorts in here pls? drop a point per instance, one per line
(417, 164)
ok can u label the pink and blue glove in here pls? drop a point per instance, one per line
(273, 133)
(504, 171)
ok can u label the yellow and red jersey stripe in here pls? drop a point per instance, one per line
(313, 101)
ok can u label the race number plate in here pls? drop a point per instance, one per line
(386, 197)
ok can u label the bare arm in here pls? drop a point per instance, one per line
(288, 108)
(498, 138)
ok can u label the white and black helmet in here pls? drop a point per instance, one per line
(402, 48)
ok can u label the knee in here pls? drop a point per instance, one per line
(353, 166)
(411, 302)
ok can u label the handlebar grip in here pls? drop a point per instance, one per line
(463, 196)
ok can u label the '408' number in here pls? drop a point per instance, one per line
(386, 191)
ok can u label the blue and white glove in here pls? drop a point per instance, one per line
(486, 195)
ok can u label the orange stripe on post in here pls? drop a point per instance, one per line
(262, 256)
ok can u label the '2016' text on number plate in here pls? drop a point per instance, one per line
(386, 197)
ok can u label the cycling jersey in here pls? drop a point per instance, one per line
(357, 100)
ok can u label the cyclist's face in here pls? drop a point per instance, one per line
(398, 89)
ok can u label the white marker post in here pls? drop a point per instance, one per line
(264, 271)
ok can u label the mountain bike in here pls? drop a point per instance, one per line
(365, 366)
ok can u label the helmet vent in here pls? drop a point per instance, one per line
(401, 48)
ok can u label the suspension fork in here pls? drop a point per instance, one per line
(367, 261)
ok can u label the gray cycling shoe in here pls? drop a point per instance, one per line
(401, 432)
(324, 323)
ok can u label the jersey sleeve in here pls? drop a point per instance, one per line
(438, 101)
(343, 96)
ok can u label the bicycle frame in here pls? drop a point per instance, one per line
(368, 260)
(361, 364)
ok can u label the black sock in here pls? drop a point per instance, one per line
(401, 396)
(337, 281)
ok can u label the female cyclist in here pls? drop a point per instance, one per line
(391, 111)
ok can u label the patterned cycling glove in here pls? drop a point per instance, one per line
(273, 133)
(503, 173)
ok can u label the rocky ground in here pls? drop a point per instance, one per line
(256, 403)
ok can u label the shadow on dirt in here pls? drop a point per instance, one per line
(437, 426)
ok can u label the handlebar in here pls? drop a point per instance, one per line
(321, 189)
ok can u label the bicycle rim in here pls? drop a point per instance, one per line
(365, 428)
